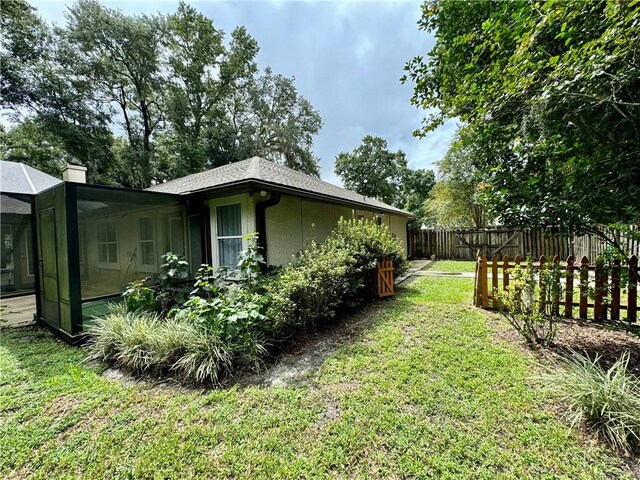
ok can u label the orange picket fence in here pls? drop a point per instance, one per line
(612, 298)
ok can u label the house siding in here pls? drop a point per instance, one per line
(295, 222)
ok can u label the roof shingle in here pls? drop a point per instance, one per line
(264, 171)
(20, 178)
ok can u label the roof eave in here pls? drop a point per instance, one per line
(246, 185)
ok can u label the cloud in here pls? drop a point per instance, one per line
(347, 58)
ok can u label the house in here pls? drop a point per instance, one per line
(93, 240)
(19, 185)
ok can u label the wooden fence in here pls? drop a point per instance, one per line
(493, 275)
(462, 244)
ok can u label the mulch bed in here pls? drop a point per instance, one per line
(608, 341)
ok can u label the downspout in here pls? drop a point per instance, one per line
(261, 223)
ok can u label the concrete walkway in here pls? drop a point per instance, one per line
(17, 311)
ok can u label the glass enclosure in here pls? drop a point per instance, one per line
(99, 239)
(17, 253)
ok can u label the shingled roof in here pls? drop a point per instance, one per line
(267, 174)
(20, 178)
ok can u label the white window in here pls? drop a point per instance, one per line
(107, 244)
(176, 235)
(229, 233)
(147, 242)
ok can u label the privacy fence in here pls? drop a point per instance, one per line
(591, 291)
(462, 244)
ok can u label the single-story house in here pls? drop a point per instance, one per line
(93, 240)
(19, 185)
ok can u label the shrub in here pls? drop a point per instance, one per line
(528, 303)
(326, 277)
(203, 338)
(608, 401)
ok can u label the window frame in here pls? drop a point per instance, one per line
(229, 237)
(107, 265)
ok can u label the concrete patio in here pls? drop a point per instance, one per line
(17, 311)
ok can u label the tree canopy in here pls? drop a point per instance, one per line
(551, 91)
(145, 98)
(373, 170)
(454, 200)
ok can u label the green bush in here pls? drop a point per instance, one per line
(219, 328)
(339, 273)
(528, 303)
(608, 401)
(226, 324)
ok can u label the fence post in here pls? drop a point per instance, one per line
(476, 290)
(599, 312)
(494, 281)
(483, 282)
(555, 306)
(568, 298)
(584, 286)
(543, 296)
(505, 273)
(615, 290)
(632, 296)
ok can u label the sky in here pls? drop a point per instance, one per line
(347, 59)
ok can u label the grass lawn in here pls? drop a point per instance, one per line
(428, 391)
(454, 266)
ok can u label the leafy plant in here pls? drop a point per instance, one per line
(608, 401)
(250, 263)
(172, 287)
(139, 296)
(530, 302)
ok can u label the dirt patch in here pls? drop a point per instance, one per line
(588, 338)
(299, 363)
(604, 341)
(60, 406)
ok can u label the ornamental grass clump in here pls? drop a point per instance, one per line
(147, 344)
(606, 400)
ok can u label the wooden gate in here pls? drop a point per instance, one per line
(385, 279)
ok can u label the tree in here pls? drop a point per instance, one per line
(454, 201)
(23, 43)
(183, 99)
(120, 56)
(29, 144)
(59, 107)
(416, 187)
(203, 74)
(551, 90)
(283, 123)
(373, 170)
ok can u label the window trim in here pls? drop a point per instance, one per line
(108, 265)
(228, 237)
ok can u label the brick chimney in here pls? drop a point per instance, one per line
(74, 173)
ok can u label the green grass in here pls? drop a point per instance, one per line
(453, 266)
(427, 391)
